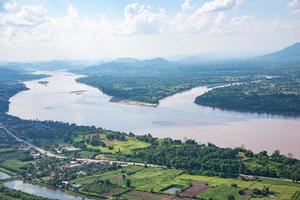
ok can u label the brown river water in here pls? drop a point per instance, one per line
(63, 99)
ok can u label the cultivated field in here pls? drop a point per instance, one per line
(113, 146)
(149, 183)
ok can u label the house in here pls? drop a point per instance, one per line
(76, 186)
(65, 183)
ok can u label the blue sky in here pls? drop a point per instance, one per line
(95, 29)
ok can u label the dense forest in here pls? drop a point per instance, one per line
(10, 85)
(276, 95)
(134, 81)
(268, 86)
(215, 161)
(189, 155)
(8, 90)
(44, 132)
(10, 194)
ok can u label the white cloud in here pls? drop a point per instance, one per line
(218, 5)
(220, 18)
(241, 21)
(211, 14)
(143, 31)
(141, 19)
(295, 5)
(187, 5)
(72, 11)
(27, 16)
(10, 5)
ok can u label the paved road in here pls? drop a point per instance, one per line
(41, 151)
(50, 154)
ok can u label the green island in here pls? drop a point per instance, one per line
(99, 163)
(150, 81)
(261, 86)
(273, 95)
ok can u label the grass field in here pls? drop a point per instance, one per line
(115, 146)
(146, 179)
(158, 179)
(221, 192)
(5, 150)
(13, 165)
(282, 189)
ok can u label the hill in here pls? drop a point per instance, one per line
(290, 54)
(125, 65)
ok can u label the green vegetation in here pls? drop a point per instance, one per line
(44, 133)
(214, 161)
(148, 89)
(12, 159)
(7, 90)
(278, 95)
(14, 165)
(269, 87)
(152, 80)
(105, 143)
(186, 163)
(157, 179)
(140, 178)
(10, 85)
(221, 193)
(9, 194)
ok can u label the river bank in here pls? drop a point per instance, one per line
(132, 103)
(176, 116)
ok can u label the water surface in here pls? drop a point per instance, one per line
(171, 190)
(40, 191)
(63, 99)
(4, 176)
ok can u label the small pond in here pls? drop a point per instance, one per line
(41, 191)
(4, 176)
(171, 190)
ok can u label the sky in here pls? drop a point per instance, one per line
(97, 29)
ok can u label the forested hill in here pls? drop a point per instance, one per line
(288, 54)
(10, 84)
(278, 92)
(130, 66)
(11, 75)
(271, 86)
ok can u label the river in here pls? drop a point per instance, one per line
(40, 191)
(63, 99)
(4, 176)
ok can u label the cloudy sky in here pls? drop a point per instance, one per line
(95, 29)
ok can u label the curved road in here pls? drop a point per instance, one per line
(50, 154)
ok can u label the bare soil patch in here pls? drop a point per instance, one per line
(196, 188)
(113, 192)
(134, 195)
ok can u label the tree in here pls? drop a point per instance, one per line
(128, 183)
(230, 197)
(276, 153)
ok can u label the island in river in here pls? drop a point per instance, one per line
(177, 116)
(103, 163)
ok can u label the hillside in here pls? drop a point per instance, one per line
(288, 54)
(128, 65)
(276, 92)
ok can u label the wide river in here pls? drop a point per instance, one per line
(63, 99)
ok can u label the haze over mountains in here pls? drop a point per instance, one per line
(291, 53)
(288, 54)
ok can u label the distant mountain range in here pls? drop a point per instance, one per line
(129, 64)
(49, 65)
(288, 54)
